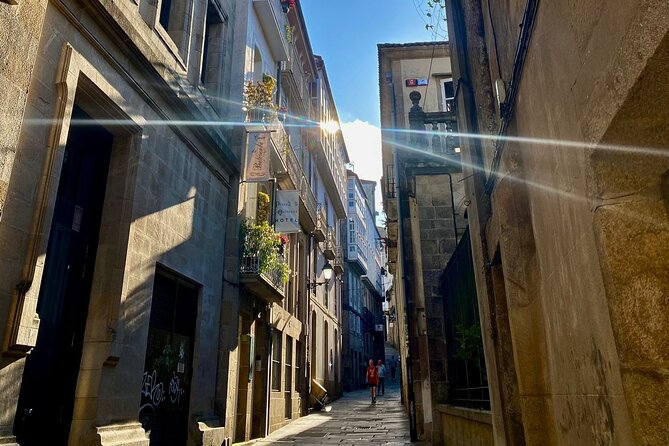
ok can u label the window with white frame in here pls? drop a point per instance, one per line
(447, 93)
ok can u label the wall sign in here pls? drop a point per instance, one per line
(287, 215)
(416, 82)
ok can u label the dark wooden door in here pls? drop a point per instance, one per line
(47, 392)
(168, 366)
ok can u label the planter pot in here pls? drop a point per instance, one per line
(259, 115)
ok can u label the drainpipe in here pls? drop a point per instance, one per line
(403, 209)
(278, 84)
(268, 383)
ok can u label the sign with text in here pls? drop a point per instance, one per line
(257, 170)
(287, 215)
(416, 82)
(378, 327)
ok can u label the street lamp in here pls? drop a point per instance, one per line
(327, 275)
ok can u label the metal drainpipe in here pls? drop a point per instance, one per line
(401, 211)
(278, 84)
(268, 385)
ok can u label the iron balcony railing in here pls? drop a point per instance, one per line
(330, 243)
(251, 265)
(308, 198)
(295, 72)
(338, 263)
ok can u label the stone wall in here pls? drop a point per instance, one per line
(166, 203)
(572, 231)
(465, 427)
(20, 34)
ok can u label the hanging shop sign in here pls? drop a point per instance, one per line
(287, 215)
(257, 170)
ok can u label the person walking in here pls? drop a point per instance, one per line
(393, 367)
(382, 377)
(372, 378)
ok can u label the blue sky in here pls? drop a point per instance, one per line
(345, 34)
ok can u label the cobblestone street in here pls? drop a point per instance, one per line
(352, 420)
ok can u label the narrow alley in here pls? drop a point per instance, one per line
(351, 420)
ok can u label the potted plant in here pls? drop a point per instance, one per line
(259, 99)
(283, 241)
(287, 4)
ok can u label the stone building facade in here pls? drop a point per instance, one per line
(424, 203)
(363, 282)
(121, 293)
(290, 334)
(569, 214)
(100, 246)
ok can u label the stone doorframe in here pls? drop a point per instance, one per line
(77, 78)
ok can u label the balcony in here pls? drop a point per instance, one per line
(296, 82)
(321, 224)
(308, 206)
(356, 257)
(338, 263)
(272, 20)
(290, 174)
(330, 244)
(266, 285)
(440, 140)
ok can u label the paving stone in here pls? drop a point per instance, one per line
(353, 420)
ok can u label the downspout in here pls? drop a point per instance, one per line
(278, 84)
(527, 26)
(403, 209)
(268, 381)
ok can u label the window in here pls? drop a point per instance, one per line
(299, 362)
(175, 18)
(447, 94)
(276, 360)
(288, 377)
(213, 50)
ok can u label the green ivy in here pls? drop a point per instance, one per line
(260, 240)
(469, 342)
(262, 212)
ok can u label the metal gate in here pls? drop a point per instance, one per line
(466, 364)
